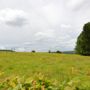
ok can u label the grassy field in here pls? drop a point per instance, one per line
(55, 66)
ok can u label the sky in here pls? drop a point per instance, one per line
(42, 25)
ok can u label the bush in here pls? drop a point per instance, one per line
(33, 51)
(58, 51)
(49, 51)
(54, 52)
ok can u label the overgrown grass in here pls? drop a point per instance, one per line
(60, 67)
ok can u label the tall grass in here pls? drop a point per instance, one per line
(72, 70)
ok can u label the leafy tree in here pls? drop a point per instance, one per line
(33, 51)
(83, 41)
(58, 51)
(49, 51)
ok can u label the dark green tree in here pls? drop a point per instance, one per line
(83, 41)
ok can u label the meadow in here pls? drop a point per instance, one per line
(60, 67)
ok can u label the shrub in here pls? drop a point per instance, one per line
(58, 51)
(49, 51)
(33, 51)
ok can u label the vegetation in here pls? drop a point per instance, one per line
(54, 51)
(4, 50)
(37, 82)
(58, 51)
(33, 51)
(40, 82)
(61, 71)
(83, 41)
(68, 52)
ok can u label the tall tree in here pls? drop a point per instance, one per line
(83, 41)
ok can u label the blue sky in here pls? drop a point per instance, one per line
(42, 25)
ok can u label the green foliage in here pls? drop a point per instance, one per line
(3, 50)
(37, 82)
(83, 41)
(58, 51)
(40, 82)
(33, 51)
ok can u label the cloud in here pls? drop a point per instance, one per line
(13, 17)
(53, 24)
(65, 26)
(73, 4)
(20, 49)
(44, 34)
(2, 47)
(52, 13)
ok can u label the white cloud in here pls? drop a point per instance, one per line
(2, 47)
(74, 3)
(52, 13)
(53, 24)
(65, 26)
(13, 17)
(47, 34)
(21, 49)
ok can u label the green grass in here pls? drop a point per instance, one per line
(54, 66)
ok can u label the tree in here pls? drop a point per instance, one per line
(49, 51)
(83, 41)
(58, 51)
(33, 51)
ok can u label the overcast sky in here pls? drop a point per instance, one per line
(42, 25)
